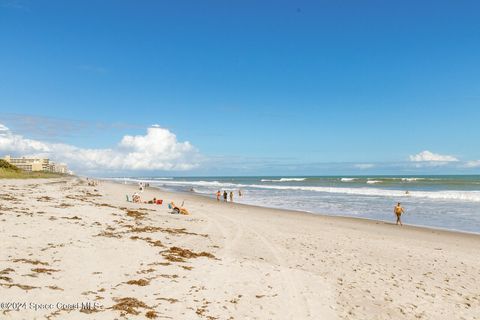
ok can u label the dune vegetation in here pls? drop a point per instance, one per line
(9, 171)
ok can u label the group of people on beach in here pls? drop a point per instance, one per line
(175, 209)
(226, 194)
(398, 210)
(136, 196)
(142, 186)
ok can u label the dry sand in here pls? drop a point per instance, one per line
(65, 243)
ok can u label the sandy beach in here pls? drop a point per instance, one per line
(73, 251)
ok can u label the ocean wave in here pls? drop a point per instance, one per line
(440, 195)
(283, 180)
(179, 182)
(348, 179)
(472, 196)
(411, 179)
(373, 181)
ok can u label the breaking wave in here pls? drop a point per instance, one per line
(283, 180)
(472, 196)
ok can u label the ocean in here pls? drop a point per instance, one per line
(446, 202)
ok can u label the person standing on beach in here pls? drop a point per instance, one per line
(218, 195)
(225, 195)
(398, 210)
(231, 196)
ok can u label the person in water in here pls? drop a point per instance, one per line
(231, 196)
(218, 195)
(398, 210)
(225, 195)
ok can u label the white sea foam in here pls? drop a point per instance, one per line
(412, 179)
(283, 179)
(181, 183)
(373, 181)
(472, 196)
(347, 179)
(441, 195)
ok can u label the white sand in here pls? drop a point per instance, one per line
(267, 264)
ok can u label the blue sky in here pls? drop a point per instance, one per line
(274, 87)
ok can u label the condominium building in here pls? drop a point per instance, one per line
(37, 164)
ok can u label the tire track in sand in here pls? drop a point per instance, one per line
(297, 302)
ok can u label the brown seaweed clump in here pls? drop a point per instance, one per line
(171, 300)
(64, 205)
(6, 271)
(136, 214)
(108, 234)
(140, 282)
(176, 254)
(144, 229)
(44, 270)
(55, 288)
(44, 198)
(21, 286)
(7, 197)
(151, 314)
(34, 262)
(129, 305)
(155, 243)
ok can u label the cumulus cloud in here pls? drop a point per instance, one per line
(473, 164)
(427, 156)
(158, 149)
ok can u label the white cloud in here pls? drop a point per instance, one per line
(157, 150)
(364, 165)
(473, 164)
(3, 128)
(427, 156)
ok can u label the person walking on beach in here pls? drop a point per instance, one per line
(398, 210)
(225, 195)
(231, 196)
(218, 195)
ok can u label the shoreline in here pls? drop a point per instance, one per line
(325, 215)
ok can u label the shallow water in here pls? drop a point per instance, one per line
(450, 202)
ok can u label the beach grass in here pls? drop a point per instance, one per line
(9, 174)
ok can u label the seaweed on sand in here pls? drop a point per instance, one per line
(6, 271)
(136, 214)
(129, 305)
(176, 254)
(34, 262)
(140, 282)
(44, 270)
(21, 286)
(151, 314)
